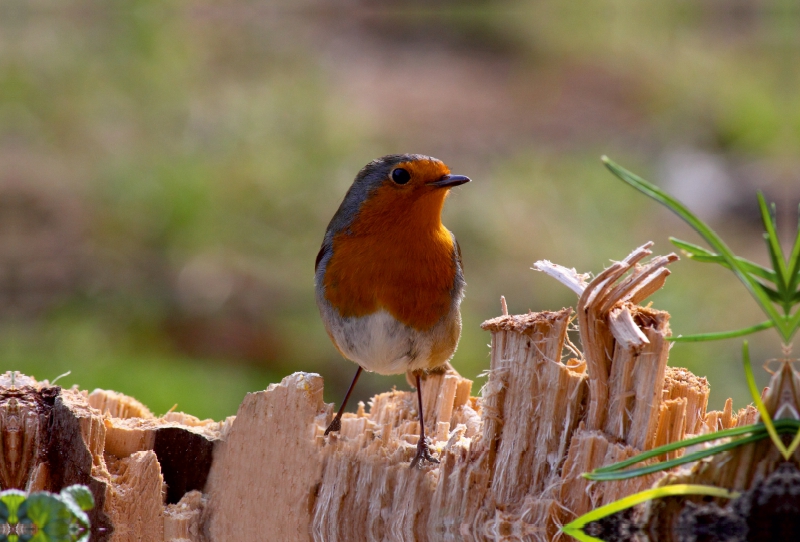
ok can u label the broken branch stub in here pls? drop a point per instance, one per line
(532, 403)
(613, 345)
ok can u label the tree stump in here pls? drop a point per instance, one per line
(510, 458)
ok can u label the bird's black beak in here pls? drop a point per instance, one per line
(449, 181)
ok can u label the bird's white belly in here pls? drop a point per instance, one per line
(379, 343)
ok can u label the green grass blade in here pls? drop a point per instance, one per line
(762, 409)
(794, 259)
(664, 465)
(794, 320)
(672, 446)
(699, 254)
(773, 242)
(782, 295)
(665, 199)
(711, 238)
(757, 430)
(715, 336)
(776, 296)
(786, 425)
(575, 527)
(692, 249)
(794, 444)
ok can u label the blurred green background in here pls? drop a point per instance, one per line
(167, 171)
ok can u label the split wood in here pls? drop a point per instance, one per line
(511, 459)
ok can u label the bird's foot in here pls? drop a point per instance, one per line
(423, 454)
(335, 425)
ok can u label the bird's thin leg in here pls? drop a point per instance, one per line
(336, 424)
(423, 452)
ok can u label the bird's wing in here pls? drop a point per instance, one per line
(458, 254)
(319, 257)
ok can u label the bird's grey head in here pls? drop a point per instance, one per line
(370, 178)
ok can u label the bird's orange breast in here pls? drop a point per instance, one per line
(396, 255)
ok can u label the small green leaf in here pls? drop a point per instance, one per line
(78, 499)
(49, 513)
(79, 517)
(10, 501)
(81, 495)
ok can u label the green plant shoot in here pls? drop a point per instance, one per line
(775, 290)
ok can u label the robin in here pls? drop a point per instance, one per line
(388, 277)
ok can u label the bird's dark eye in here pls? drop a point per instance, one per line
(401, 176)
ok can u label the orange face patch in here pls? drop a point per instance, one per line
(424, 171)
(396, 255)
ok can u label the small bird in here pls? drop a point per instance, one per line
(388, 278)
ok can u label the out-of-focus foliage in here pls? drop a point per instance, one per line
(167, 170)
(46, 517)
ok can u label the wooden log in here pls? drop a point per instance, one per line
(267, 469)
(511, 459)
(52, 438)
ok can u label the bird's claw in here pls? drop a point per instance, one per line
(423, 454)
